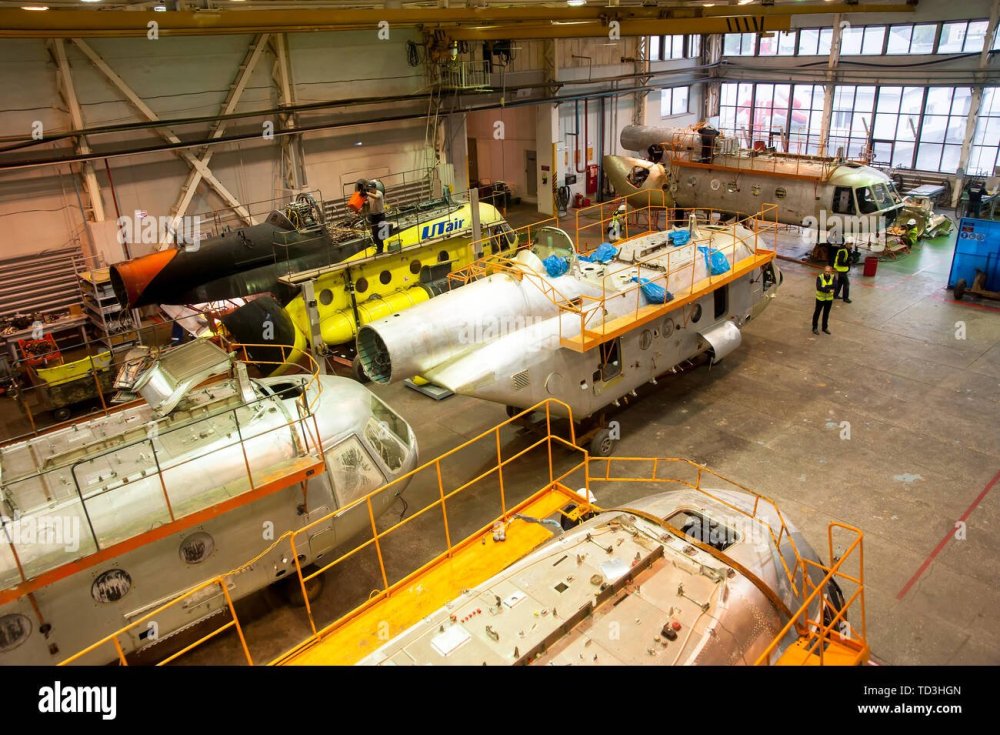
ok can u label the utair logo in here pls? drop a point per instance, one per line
(441, 228)
(60, 698)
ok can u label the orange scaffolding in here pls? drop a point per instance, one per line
(406, 594)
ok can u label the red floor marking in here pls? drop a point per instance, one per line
(948, 536)
(967, 304)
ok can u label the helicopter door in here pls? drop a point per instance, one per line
(610, 366)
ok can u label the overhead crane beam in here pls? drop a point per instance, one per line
(543, 22)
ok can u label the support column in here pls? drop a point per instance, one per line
(456, 149)
(293, 170)
(546, 138)
(975, 102)
(67, 90)
(641, 64)
(831, 76)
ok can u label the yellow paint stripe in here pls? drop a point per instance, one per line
(442, 582)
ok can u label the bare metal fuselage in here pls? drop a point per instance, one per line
(500, 338)
(203, 452)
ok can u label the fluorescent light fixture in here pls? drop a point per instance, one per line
(745, 2)
(159, 8)
(359, 143)
(90, 1)
(576, 3)
(34, 7)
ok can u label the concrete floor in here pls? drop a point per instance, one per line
(923, 452)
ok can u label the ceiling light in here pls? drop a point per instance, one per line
(34, 7)
(90, 1)
(576, 3)
(745, 2)
(159, 8)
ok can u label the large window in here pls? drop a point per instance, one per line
(952, 37)
(674, 101)
(668, 48)
(983, 158)
(962, 37)
(815, 41)
(852, 119)
(946, 110)
(788, 117)
(911, 127)
(739, 44)
(781, 43)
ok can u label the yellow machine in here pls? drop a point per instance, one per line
(365, 288)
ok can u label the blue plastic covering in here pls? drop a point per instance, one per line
(715, 260)
(679, 237)
(555, 266)
(605, 253)
(654, 292)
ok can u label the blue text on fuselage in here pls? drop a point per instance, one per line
(441, 228)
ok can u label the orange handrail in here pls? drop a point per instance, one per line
(764, 512)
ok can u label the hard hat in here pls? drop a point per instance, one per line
(849, 240)
(911, 222)
(621, 208)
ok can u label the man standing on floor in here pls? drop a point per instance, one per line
(842, 264)
(824, 299)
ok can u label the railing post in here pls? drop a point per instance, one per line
(444, 510)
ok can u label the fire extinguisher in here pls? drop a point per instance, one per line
(578, 201)
(592, 173)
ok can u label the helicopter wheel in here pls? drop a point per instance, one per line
(61, 414)
(293, 590)
(602, 444)
(960, 288)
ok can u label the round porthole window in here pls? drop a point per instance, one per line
(695, 313)
(780, 192)
(361, 285)
(667, 328)
(196, 548)
(415, 267)
(715, 184)
(326, 297)
(731, 186)
(384, 277)
(443, 256)
(111, 586)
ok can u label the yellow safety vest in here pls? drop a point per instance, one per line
(826, 281)
(842, 264)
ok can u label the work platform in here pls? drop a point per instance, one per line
(534, 487)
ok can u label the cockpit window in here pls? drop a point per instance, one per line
(638, 175)
(385, 415)
(881, 195)
(867, 202)
(843, 200)
(701, 528)
(381, 438)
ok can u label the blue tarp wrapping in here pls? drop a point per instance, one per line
(654, 293)
(555, 266)
(715, 260)
(679, 237)
(605, 253)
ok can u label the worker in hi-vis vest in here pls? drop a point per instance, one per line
(824, 299)
(616, 227)
(842, 264)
